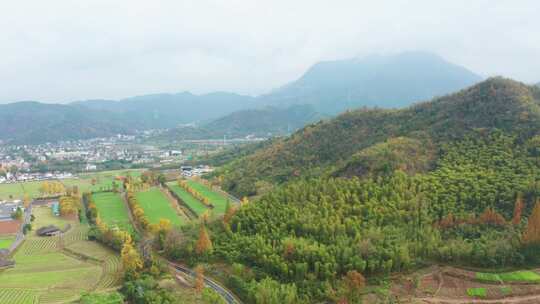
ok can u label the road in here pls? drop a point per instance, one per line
(224, 293)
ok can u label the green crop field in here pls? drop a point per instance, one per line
(219, 201)
(5, 241)
(515, 276)
(157, 206)
(18, 190)
(477, 292)
(45, 272)
(103, 180)
(112, 210)
(194, 204)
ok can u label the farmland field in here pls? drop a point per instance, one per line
(112, 210)
(5, 241)
(157, 206)
(50, 270)
(103, 180)
(194, 204)
(477, 292)
(18, 190)
(516, 276)
(215, 198)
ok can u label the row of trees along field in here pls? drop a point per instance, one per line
(182, 183)
(142, 272)
(313, 237)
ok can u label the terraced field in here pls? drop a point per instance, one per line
(157, 206)
(194, 204)
(57, 269)
(17, 296)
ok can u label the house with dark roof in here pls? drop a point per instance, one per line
(48, 231)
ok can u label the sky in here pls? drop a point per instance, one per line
(65, 50)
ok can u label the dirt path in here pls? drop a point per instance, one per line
(510, 300)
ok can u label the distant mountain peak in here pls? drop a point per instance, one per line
(387, 81)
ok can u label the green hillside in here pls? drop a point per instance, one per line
(326, 146)
(377, 191)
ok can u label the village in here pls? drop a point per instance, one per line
(22, 163)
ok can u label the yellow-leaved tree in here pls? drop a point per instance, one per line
(204, 244)
(131, 260)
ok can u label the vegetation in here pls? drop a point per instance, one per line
(509, 277)
(477, 292)
(157, 206)
(112, 209)
(374, 191)
(217, 200)
(192, 203)
(5, 242)
(56, 269)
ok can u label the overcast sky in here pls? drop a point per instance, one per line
(59, 51)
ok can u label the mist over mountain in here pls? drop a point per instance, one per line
(328, 88)
(375, 81)
(169, 110)
(264, 122)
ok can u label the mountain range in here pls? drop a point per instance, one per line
(328, 87)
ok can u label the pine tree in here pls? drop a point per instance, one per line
(204, 244)
(532, 232)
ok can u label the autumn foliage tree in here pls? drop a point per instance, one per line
(351, 287)
(491, 217)
(532, 232)
(518, 210)
(182, 183)
(204, 244)
(199, 278)
(131, 260)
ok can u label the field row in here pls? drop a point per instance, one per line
(215, 198)
(112, 210)
(157, 206)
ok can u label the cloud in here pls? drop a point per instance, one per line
(59, 51)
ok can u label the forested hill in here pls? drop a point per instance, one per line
(371, 192)
(34, 122)
(169, 110)
(265, 122)
(387, 81)
(411, 138)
